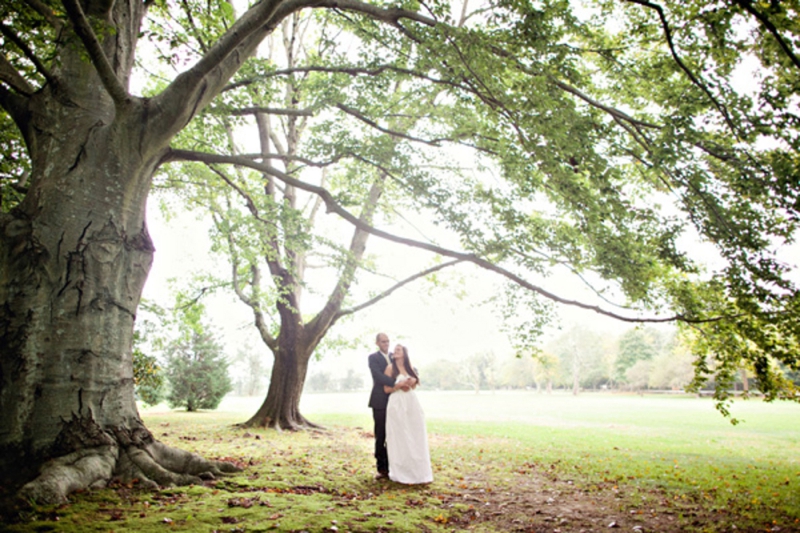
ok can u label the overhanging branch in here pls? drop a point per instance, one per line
(333, 207)
(390, 290)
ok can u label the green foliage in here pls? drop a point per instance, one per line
(148, 375)
(443, 375)
(597, 136)
(634, 346)
(196, 366)
(525, 315)
(149, 336)
(14, 165)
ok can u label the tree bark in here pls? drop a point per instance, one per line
(281, 407)
(74, 257)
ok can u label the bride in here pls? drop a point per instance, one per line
(406, 437)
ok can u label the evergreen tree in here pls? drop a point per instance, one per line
(196, 367)
(197, 372)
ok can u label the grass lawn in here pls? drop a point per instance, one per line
(508, 461)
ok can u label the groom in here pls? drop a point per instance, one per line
(378, 399)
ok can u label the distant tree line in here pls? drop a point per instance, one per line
(323, 381)
(190, 369)
(582, 359)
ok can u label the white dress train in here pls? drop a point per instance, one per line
(407, 439)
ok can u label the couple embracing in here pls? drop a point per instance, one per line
(401, 441)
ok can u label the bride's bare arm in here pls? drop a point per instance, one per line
(404, 384)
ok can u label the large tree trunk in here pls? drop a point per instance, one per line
(74, 257)
(281, 407)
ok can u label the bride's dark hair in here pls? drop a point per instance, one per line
(396, 371)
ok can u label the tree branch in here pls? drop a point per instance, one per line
(16, 106)
(190, 18)
(334, 207)
(748, 6)
(273, 259)
(358, 244)
(194, 88)
(105, 71)
(251, 23)
(702, 86)
(47, 13)
(357, 114)
(610, 110)
(574, 271)
(676, 177)
(390, 290)
(351, 71)
(258, 314)
(251, 206)
(9, 34)
(13, 78)
(255, 282)
(272, 111)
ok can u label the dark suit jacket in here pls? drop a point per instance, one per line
(377, 365)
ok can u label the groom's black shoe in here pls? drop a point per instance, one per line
(382, 475)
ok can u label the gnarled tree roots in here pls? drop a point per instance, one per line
(131, 456)
(296, 423)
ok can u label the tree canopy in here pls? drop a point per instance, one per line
(617, 136)
(609, 138)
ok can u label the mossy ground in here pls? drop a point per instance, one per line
(489, 476)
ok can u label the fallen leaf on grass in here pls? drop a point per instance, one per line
(246, 503)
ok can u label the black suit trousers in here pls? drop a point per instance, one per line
(381, 457)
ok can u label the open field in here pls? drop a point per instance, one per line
(508, 461)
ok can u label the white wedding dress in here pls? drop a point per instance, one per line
(407, 439)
